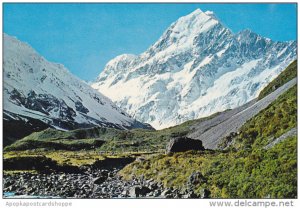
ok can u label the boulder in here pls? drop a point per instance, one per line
(137, 191)
(182, 144)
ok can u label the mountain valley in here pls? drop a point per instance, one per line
(202, 113)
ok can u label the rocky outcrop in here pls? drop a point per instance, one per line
(182, 144)
(19, 127)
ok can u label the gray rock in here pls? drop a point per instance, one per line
(62, 177)
(85, 186)
(150, 194)
(81, 186)
(166, 192)
(153, 185)
(144, 190)
(104, 190)
(191, 195)
(182, 144)
(185, 196)
(137, 191)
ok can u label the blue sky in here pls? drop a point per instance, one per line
(84, 37)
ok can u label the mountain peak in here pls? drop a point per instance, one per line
(182, 33)
(194, 23)
(197, 67)
(196, 12)
(199, 12)
(212, 15)
(198, 16)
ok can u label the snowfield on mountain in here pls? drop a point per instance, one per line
(35, 88)
(197, 67)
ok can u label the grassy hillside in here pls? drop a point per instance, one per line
(270, 123)
(86, 146)
(103, 139)
(52, 139)
(260, 174)
(245, 171)
(289, 73)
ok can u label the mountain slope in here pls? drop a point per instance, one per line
(196, 68)
(40, 94)
(261, 161)
(230, 122)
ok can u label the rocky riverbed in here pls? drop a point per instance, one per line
(89, 184)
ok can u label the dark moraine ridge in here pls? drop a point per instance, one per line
(212, 131)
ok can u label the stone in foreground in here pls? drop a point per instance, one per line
(182, 144)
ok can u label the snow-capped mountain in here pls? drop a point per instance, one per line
(196, 68)
(36, 90)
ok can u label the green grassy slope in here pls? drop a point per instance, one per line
(93, 138)
(270, 123)
(52, 139)
(259, 174)
(245, 171)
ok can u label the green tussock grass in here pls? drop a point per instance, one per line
(246, 169)
(260, 174)
(270, 123)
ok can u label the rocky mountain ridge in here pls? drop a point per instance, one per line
(42, 94)
(197, 67)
